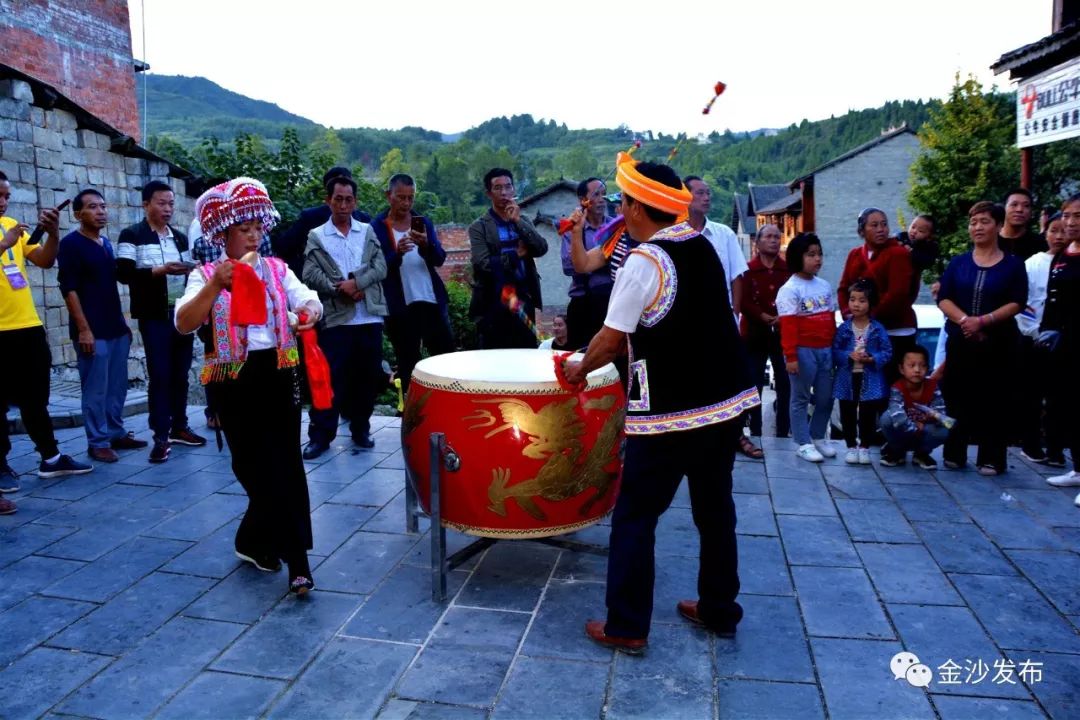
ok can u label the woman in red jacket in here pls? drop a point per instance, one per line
(888, 263)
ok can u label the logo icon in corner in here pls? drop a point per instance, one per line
(906, 666)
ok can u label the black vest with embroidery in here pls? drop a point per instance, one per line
(688, 366)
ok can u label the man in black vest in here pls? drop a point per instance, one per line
(678, 423)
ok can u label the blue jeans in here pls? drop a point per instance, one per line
(104, 387)
(811, 386)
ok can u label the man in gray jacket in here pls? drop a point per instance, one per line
(345, 265)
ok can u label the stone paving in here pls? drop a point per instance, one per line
(122, 599)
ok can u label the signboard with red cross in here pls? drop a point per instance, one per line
(1048, 106)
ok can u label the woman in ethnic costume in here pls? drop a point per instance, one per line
(251, 303)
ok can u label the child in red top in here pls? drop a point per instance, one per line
(915, 419)
(807, 308)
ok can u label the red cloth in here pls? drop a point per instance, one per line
(318, 369)
(248, 305)
(892, 272)
(809, 331)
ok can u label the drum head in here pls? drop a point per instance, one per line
(513, 370)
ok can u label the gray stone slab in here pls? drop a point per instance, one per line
(42, 678)
(35, 620)
(30, 509)
(907, 574)
(1050, 506)
(557, 631)
(754, 515)
(1015, 615)
(749, 477)
(963, 548)
(215, 695)
(391, 518)
(676, 579)
(401, 608)
(783, 462)
(31, 574)
(283, 642)
(77, 487)
(676, 533)
(857, 682)
(154, 671)
(15, 546)
(510, 576)
(762, 568)
(467, 658)
(839, 602)
(411, 710)
(770, 643)
(190, 488)
(1010, 527)
(928, 503)
(804, 495)
(117, 570)
(846, 483)
(938, 635)
(119, 625)
(350, 678)
(113, 500)
(1055, 573)
(375, 488)
(360, 564)
(214, 556)
(1057, 690)
(546, 689)
(979, 708)
(331, 525)
(244, 596)
(894, 477)
(968, 490)
(420, 555)
(875, 521)
(97, 538)
(674, 679)
(202, 518)
(815, 540)
(754, 700)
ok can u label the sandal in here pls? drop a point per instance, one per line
(749, 449)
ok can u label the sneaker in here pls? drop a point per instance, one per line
(9, 479)
(851, 457)
(1056, 461)
(864, 456)
(186, 437)
(160, 453)
(893, 460)
(363, 441)
(261, 562)
(64, 465)
(924, 461)
(1034, 454)
(1069, 479)
(128, 442)
(988, 471)
(825, 448)
(809, 453)
(7, 507)
(1076, 502)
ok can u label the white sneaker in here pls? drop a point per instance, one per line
(852, 456)
(1076, 502)
(825, 448)
(864, 456)
(1069, 479)
(810, 453)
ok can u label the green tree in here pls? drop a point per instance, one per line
(968, 155)
(392, 163)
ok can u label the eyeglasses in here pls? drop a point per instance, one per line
(499, 188)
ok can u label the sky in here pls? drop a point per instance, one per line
(448, 66)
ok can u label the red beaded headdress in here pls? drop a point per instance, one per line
(231, 203)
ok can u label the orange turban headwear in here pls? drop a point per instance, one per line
(650, 192)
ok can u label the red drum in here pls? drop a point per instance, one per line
(535, 460)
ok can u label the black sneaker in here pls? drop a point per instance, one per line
(186, 437)
(924, 461)
(161, 451)
(9, 479)
(314, 449)
(363, 441)
(64, 465)
(1057, 461)
(261, 562)
(1034, 454)
(891, 460)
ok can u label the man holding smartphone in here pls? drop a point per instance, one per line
(24, 344)
(153, 259)
(415, 294)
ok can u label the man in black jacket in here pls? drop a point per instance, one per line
(153, 259)
(290, 245)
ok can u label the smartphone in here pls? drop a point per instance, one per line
(39, 232)
(418, 223)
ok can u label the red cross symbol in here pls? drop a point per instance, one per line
(1029, 99)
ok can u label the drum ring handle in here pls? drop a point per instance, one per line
(451, 460)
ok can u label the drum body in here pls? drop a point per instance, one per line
(535, 460)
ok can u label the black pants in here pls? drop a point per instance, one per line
(759, 353)
(585, 316)
(859, 417)
(653, 469)
(354, 353)
(1030, 389)
(501, 328)
(423, 323)
(1062, 402)
(168, 362)
(260, 416)
(900, 345)
(977, 396)
(28, 387)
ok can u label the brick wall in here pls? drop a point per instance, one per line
(879, 177)
(49, 157)
(80, 47)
